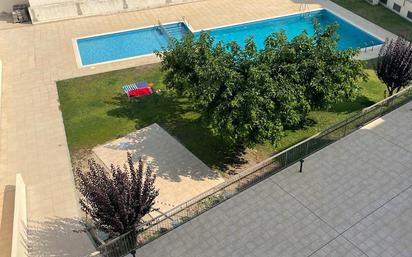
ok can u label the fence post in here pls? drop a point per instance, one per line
(344, 128)
(301, 165)
(363, 119)
(286, 158)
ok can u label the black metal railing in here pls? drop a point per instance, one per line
(132, 240)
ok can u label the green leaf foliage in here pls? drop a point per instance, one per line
(250, 96)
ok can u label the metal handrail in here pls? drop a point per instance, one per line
(187, 23)
(164, 31)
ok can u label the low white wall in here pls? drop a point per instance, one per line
(1, 83)
(19, 240)
(58, 10)
(43, 2)
(7, 5)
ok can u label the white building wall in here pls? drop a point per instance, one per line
(6, 6)
(1, 87)
(19, 240)
(406, 6)
(52, 10)
(43, 2)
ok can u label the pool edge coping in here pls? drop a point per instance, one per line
(187, 24)
(77, 50)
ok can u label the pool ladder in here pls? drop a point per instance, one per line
(164, 31)
(304, 8)
(371, 48)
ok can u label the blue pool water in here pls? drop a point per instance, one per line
(138, 42)
(126, 44)
(293, 25)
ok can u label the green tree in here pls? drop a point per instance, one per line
(250, 96)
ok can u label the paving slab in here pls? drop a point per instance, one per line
(6, 220)
(349, 179)
(352, 199)
(261, 221)
(339, 247)
(387, 232)
(399, 134)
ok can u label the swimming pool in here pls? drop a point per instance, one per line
(126, 44)
(144, 41)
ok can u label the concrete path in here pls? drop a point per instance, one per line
(32, 136)
(180, 175)
(354, 198)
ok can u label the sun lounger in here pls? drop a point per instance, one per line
(134, 86)
(140, 92)
(138, 89)
(132, 90)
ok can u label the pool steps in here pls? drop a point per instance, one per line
(175, 30)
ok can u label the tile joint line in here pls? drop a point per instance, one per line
(341, 234)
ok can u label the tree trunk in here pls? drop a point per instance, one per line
(390, 91)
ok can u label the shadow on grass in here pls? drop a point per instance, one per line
(177, 117)
(348, 107)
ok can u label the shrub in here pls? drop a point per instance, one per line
(118, 199)
(394, 66)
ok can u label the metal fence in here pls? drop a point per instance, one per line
(124, 244)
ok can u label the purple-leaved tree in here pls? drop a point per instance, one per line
(394, 66)
(118, 199)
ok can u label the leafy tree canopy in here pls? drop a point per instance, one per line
(394, 66)
(248, 95)
(118, 199)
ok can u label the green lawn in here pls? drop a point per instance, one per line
(380, 16)
(96, 111)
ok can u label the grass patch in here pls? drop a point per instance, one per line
(379, 15)
(372, 91)
(95, 111)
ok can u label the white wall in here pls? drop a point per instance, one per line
(7, 5)
(406, 5)
(43, 2)
(1, 88)
(45, 11)
(19, 240)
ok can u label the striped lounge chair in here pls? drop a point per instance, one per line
(138, 89)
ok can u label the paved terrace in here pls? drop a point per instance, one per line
(32, 137)
(353, 199)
